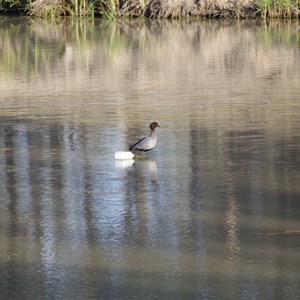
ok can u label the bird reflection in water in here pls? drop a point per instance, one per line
(143, 166)
(146, 168)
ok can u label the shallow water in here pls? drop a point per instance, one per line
(186, 221)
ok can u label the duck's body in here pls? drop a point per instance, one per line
(146, 143)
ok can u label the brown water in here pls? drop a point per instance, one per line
(184, 222)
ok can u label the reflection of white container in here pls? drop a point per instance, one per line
(121, 155)
(123, 163)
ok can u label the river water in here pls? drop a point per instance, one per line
(211, 213)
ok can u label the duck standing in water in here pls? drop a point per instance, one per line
(146, 143)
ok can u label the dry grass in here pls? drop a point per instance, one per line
(55, 8)
(47, 8)
(112, 9)
(172, 8)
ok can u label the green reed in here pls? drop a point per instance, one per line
(81, 8)
(278, 8)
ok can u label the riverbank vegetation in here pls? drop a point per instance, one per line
(112, 9)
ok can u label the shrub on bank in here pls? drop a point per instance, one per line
(155, 8)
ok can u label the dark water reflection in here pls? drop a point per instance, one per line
(181, 223)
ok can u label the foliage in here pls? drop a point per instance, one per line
(279, 8)
(55, 8)
(113, 9)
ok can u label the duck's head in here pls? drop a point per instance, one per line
(153, 125)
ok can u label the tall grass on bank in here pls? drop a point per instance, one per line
(279, 8)
(112, 9)
(55, 8)
(109, 9)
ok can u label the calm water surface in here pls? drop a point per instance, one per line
(193, 219)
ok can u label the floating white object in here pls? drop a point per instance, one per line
(124, 155)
